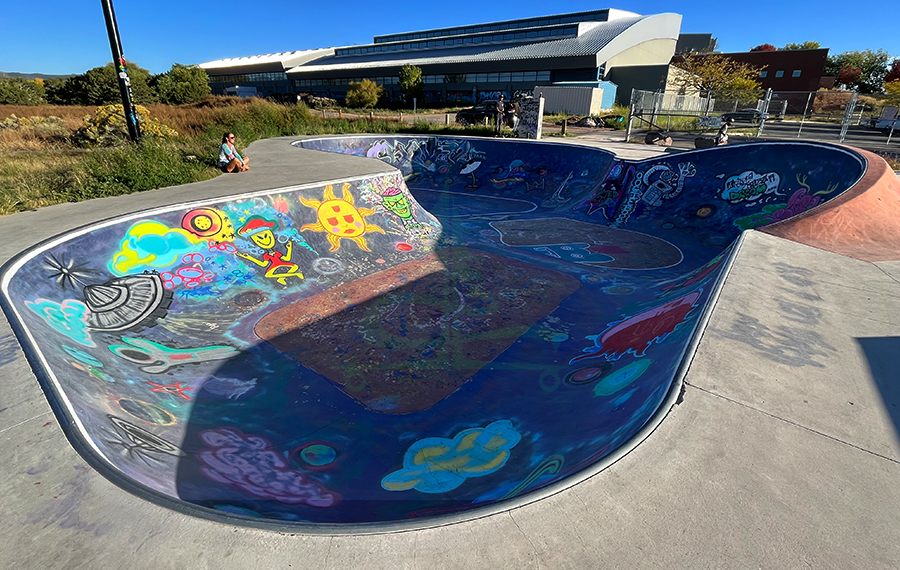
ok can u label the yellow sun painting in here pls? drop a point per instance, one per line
(340, 219)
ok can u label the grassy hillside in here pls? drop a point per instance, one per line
(43, 161)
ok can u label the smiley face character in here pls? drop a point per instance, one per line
(395, 201)
(278, 265)
(264, 239)
(259, 230)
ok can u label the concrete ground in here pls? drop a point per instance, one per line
(783, 451)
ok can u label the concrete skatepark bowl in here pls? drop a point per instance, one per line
(492, 322)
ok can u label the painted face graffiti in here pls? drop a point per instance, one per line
(340, 219)
(396, 202)
(278, 265)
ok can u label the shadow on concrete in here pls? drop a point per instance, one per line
(881, 354)
(376, 403)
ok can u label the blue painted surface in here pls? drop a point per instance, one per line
(497, 318)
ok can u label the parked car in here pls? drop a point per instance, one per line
(752, 116)
(477, 114)
(885, 125)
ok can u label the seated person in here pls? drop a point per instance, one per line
(229, 159)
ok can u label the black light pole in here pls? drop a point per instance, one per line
(115, 43)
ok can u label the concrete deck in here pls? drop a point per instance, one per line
(782, 453)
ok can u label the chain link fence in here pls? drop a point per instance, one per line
(866, 121)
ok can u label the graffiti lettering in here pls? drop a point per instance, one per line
(749, 186)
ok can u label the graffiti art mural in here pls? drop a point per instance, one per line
(489, 319)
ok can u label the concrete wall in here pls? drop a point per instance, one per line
(647, 77)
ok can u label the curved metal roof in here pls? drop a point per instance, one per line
(592, 38)
(287, 59)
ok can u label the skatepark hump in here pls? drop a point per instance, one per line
(491, 322)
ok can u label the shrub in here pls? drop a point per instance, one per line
(364, 94)
(319, 102)
(108, 127)
(43, 127)
(18, 91)
(153, 164)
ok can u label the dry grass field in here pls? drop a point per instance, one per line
(42, 161)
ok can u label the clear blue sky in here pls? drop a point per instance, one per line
(64, 37)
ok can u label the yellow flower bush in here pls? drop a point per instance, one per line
(108, 127)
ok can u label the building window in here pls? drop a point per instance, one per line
(779, 73)
(796, 73)
(763, 74)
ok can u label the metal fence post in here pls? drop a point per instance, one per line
(765, 111)
(805, 111)
(630, 115)
(848, 114)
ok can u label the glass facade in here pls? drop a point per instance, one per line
(563, 32)
(473, 78)
(246, 77)
(592, 16)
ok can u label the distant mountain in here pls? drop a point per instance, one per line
(33, 75)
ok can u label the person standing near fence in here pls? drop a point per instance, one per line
(722, 135)
(500, 115)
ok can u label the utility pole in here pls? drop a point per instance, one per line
(112, 29)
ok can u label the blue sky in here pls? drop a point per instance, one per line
(65, 37)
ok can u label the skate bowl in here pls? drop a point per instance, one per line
(489, 324)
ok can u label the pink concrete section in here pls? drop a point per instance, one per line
(863, 222)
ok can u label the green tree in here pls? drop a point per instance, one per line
(18, 91)
(871, 64)
(100, 86)
(59, 91)
(411, 84)
(182, 84)
(804, 45)
(705, 73)
(364, 94)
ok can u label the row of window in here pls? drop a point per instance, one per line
(505, 77)
(243, 78)
(780, 73)
(590, 17)
(345, 81)
(510, 36)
